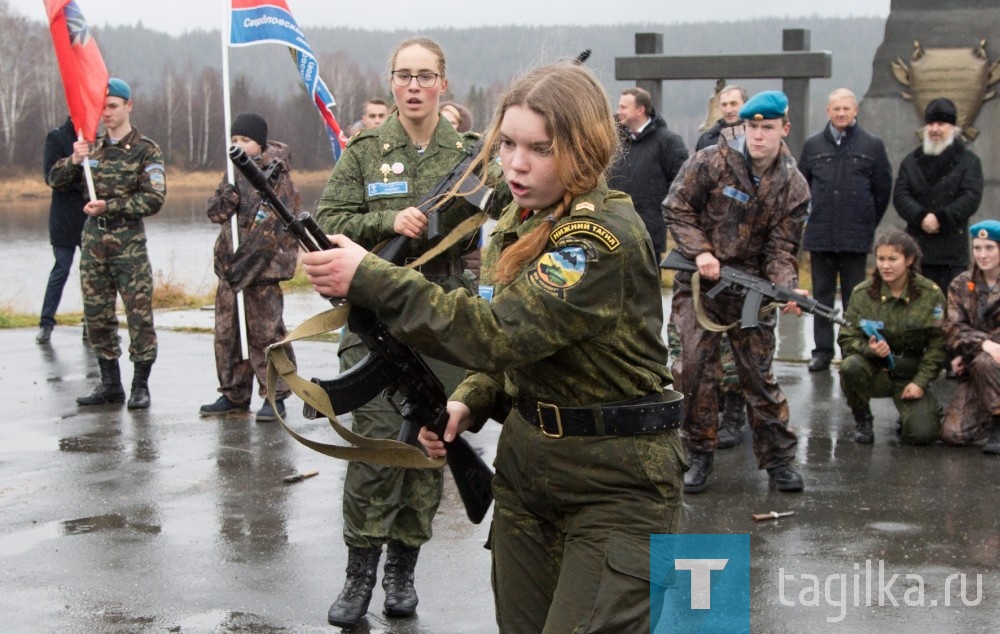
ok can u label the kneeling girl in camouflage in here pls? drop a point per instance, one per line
(894, 346)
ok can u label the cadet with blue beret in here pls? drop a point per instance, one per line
(973, 336)
(740, 204)
(130, 184)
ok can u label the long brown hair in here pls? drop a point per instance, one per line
(579, 121)
(905, 244)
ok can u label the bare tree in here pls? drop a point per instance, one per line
(16, 64)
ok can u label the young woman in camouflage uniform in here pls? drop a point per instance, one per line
(910, 354)
(564, 343)
(371, 196)
(973, 336)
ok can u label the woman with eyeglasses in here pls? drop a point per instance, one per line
(370, 197)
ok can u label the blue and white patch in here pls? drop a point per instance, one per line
(735, 194)
(486, 292)
(93, 163)
(397, 188)
(157, 179)
(558, 271)
(938, 313)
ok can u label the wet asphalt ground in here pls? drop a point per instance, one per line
(162, 521)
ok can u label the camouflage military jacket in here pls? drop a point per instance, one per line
(973, 314)
(579, 326)
(714, 206)
(912, 328)
(268, 253)
(129, 175)
(380, 173)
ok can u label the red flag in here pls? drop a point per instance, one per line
(85, 78)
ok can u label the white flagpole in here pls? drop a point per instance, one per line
(88, 175)
(241, 311)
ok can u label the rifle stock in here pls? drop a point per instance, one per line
(423, 399)
(754, 289)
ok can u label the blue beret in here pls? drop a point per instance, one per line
(770, 104)
(989, 229)
(118, 88)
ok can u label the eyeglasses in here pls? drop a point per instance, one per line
(424, 80)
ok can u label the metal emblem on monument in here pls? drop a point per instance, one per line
(963, 75)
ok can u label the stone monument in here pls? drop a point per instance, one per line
(929, 46)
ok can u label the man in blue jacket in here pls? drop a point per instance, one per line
(850, 179)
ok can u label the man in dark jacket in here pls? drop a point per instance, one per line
(66, 220)
(850, 179)
(730, 126)
(940, 186)
(651, 157)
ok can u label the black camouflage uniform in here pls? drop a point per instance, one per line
(267, 255)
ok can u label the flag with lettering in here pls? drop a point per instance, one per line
(270, 21)
(84, 75)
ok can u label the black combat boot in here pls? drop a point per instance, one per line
(696, 478)
(110, 390)
(352, 604)
(863, 421)
(784, 478)
(734, 419)
(139, 399)
(992, 445)
(400, 595)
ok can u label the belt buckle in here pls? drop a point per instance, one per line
(102, 223)
(539, 406)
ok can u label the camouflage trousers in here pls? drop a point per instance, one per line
(383, 504)
(862, 380)
(697, 370)
(730, 381)
(571, 553)
(114, 262)
(264, 305)
(975, 401)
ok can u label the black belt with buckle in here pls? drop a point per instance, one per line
(647, 415)
(106, 223)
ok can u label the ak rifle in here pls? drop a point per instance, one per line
(391, 367)
(753, 289)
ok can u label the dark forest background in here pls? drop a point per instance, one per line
(177, 80)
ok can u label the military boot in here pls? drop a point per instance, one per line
(863, 422)
(110, 390)
(785, 478)
(352, 604)
(139, 398)
(734, 419)
(992, 445)
(400, 595)
(696, 478)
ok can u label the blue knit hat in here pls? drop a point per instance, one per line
(118, 88)
(989, 229)
(770, 104)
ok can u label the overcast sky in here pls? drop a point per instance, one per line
(177, 16)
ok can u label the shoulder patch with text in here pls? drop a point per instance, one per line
(586, 228)
(557, 271)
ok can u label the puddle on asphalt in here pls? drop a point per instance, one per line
(894, 527)
(22, 541)
(105, 522)
(96, 442)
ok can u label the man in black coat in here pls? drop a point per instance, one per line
(66, 220)
(850, 178)
(651, 157)
(940, 186)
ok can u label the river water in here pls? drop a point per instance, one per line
(180, 240)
